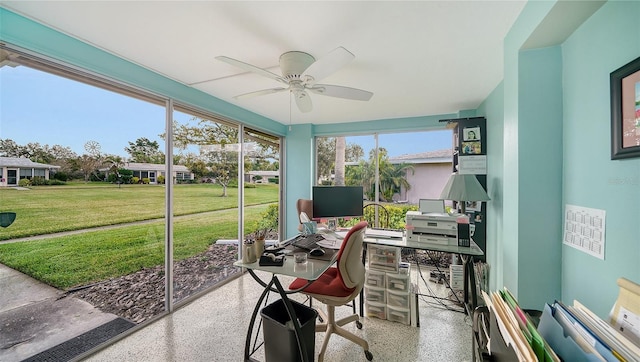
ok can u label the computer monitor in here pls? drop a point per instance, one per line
(431, 205)
(337, 201)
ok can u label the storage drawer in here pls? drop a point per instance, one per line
(456, 277)
(373, 294)
(397, 282)
(398, 299)
(375, 278)
(400, 315)
(376, 310)
(386, 258)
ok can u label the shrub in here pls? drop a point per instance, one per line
(146, 180)
(135, 179)
(269, 218)
(39, 181)
(161, 179)
(25, 182)
(273, 180)
(62, 176)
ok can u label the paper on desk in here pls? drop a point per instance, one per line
(330, 242)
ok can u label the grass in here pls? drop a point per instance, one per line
(51, 209)
(95, 255)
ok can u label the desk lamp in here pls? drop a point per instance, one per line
(462, 188)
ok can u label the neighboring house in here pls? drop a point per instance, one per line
(431, 170)
(13, 169)
(263, 176)
(152, 171)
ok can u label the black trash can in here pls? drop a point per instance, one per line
(280, 344)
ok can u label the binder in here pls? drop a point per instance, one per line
(568, 338)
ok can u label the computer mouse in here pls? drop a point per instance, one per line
(316, 252)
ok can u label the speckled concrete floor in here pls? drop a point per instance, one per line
(214, 327)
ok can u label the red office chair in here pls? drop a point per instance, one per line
(338, 286)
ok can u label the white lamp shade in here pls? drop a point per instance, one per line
(464, 188)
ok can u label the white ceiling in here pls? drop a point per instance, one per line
(417, 57)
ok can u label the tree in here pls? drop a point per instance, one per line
(224, 167)
(393, 178)
(326, 155)
(341, 148)
(115, 163)
(146, 151)
(89, 162)
(9, 148)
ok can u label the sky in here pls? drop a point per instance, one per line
(39, 107)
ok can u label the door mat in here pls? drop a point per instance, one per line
(74, 347)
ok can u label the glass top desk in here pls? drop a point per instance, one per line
(465, 253)
(310, 271)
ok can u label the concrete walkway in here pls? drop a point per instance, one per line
(35, 317)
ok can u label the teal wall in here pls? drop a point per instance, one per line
(299, 170)
(493, 109)
(605, 42)
(556, 151)
(540, 175)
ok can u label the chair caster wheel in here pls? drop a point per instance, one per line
(358, 325)
(368, 355)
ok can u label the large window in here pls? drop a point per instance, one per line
(107, 145)
(394, 169)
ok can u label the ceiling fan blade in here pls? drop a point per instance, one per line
(341, 92)
(260, 93)
(251, 68)
(328, 64)
(303, 101)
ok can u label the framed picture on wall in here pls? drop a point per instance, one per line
(625, 111)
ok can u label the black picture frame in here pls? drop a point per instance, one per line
(623, 106)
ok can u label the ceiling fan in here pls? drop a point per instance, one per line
(300, 72)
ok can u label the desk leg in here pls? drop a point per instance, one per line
(469, 283)
(247, 343)
(290, 311)
(364, 260)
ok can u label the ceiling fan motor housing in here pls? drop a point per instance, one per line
(294, 63)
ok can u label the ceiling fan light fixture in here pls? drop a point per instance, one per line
(300, 70)
(293, 64)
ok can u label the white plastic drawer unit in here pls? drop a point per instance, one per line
(386, 258)
(377, 310)
(375, 279)
(373, 294)
(397, 282)
(400, 315)
(398, 299)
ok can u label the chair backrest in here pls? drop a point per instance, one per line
(350, 264)
(306, 206)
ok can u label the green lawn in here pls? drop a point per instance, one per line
(50, 209)
(96, 255)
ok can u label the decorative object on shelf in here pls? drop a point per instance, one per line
(625, 111)
(462, 188)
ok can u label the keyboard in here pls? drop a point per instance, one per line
(307, 242)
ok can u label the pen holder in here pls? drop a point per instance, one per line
(249, 253)
(259, 247)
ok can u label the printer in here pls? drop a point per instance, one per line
(433, 227)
